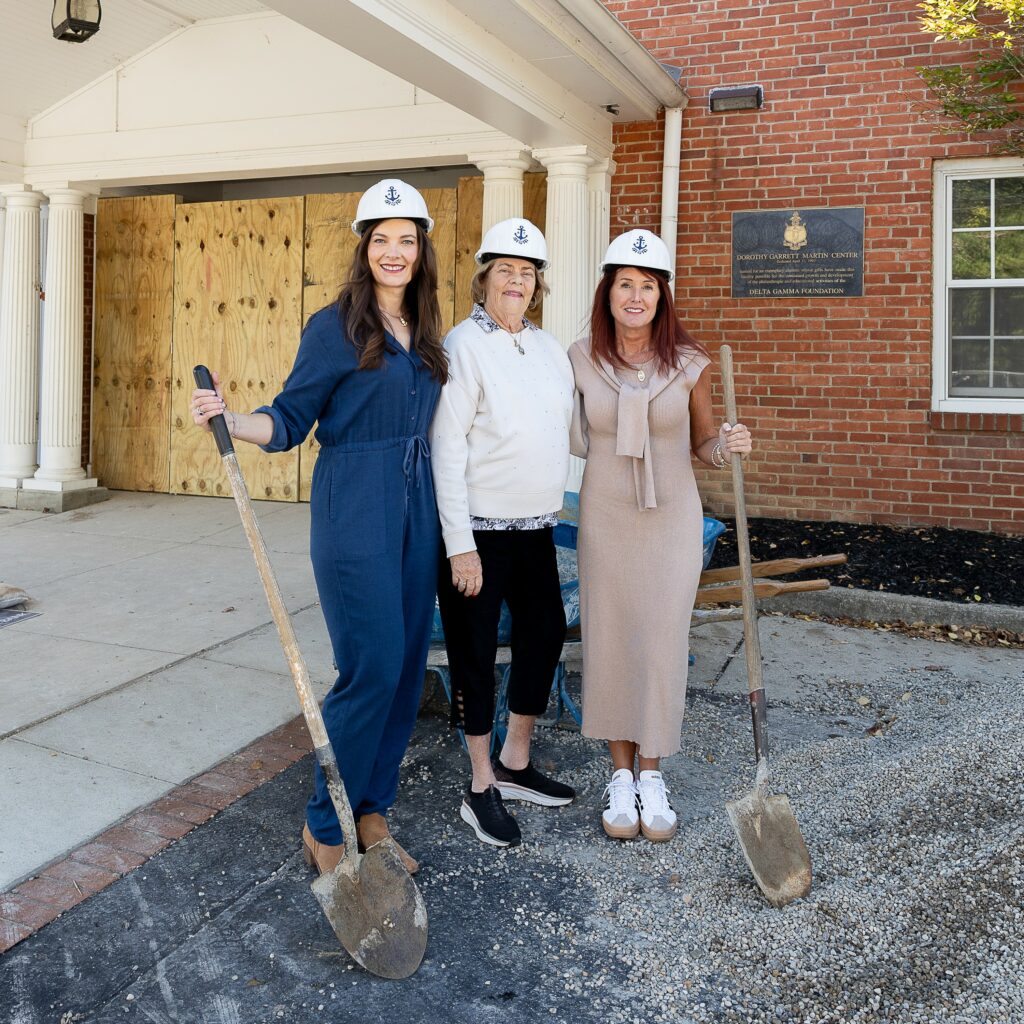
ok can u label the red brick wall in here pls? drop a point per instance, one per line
(838, 392)
(89, 265)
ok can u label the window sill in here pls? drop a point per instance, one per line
(987, 421)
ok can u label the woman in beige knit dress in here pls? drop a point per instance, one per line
(643, 408)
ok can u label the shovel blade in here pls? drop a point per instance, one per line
(773, 846)
(376, 911)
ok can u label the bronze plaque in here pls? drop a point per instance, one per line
(795, 253)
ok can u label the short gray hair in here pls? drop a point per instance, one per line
(478, 286)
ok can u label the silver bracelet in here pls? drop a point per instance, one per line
(718, 460)
(230, 417)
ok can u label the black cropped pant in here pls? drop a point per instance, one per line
(520, 569)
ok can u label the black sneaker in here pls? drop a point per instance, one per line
(491, 822)
(529, 784)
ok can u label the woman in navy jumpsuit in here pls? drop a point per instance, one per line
(374, 536)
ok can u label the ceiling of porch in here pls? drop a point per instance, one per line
(37, 70)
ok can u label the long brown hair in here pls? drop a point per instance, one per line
(357, 303)
(669, 338)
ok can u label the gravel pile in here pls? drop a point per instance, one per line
(910, 801)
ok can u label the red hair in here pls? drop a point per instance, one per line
(670, 339)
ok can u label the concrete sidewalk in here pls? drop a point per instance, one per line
(152, 673)
(152, 658)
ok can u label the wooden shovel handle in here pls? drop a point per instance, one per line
(296, 663)
(775, 567)
(752, 642)
(763, 588)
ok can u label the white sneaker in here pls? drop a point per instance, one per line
(621, 819)
(657, 819)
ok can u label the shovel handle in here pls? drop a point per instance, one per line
(751, 639)
(296, 663)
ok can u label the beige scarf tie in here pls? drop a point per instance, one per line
(633, 439)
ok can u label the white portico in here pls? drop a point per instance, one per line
(239, 91)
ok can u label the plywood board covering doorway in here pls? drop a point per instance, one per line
(237, 303)
(132, 342)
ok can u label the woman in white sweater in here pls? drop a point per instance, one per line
(500, 455)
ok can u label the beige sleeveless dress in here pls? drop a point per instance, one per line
(640, 549)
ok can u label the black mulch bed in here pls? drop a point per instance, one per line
(949, 565)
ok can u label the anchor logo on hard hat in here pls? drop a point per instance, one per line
(392, 197)
(521, 236)
(640, 246)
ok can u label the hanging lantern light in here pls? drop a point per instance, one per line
(74, 21)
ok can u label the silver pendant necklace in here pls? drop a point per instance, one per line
(518, 344)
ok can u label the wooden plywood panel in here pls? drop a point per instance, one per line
(329, 244)
(132, 346)
(467, 240)
(238, 308)
(443, 204)
(535, 198)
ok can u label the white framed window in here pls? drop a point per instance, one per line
(978, 313)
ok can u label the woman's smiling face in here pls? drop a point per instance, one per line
(510, 286)
(634, 297)
(393, 251)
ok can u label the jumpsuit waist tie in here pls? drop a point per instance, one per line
(416, 451)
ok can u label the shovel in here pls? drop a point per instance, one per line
(370, 899)
(765, 824)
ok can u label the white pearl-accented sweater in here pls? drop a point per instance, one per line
(500, 437)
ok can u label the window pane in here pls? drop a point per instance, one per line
(971, 203)
(971, 256)
(969, 364)
(1009, 311)
(1009, 364)
(1010, 254)
(1010, 202)
(969, 311)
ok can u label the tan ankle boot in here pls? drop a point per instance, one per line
(372, 828)
(321, 856)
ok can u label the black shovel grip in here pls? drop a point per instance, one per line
(218, 424)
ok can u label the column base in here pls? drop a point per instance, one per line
(59, 495)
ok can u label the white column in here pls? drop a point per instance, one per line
(60, 405)
(3, 219)
(503, 183)
(599, 186)
(19, 336)
(570, 274)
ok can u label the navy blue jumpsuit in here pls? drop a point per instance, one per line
(374, 542)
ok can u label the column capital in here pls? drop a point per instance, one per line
(514, 159)
(21, 195)
(566, 160)
(599, 176)
(66, 196)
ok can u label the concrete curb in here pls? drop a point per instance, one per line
(853, 603)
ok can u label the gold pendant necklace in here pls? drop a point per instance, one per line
(401, 319)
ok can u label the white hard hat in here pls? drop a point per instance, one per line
(639, 248)
(391, 198)
(514, 237)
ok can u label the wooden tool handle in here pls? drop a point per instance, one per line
(296, 663)
(763, 588)
(775, 567)
(752, 642)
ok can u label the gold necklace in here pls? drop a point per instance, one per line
(641, 373)
(401, 319)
